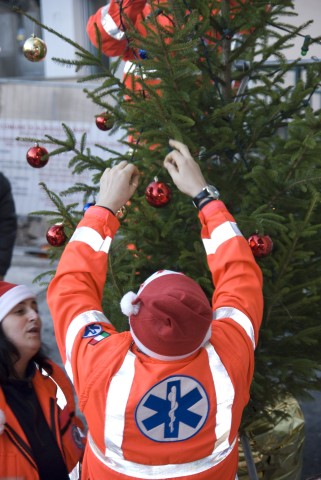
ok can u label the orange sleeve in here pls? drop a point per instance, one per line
(81, 273)
(117, 14)
(236, 276)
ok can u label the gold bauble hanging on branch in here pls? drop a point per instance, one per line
(34, 49)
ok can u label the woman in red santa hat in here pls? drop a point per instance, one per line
(40, 436)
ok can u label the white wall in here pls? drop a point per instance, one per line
(67, 18)
(306, 10)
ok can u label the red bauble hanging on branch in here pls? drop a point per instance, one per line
(37, 156)
(56, 236)
(158, 194)
(261, 245)
(105, 121)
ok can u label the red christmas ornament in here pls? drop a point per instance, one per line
(132, 246)
(104, 121)
(261, 245)
(158, 194)
(56, 236)
(37, 156)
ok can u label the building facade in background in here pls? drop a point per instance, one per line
(37, 97)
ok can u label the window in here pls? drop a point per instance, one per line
(70, 19)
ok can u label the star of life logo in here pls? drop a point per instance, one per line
(173, 410)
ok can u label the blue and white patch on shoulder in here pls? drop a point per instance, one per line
(96, 333)
(92, 330)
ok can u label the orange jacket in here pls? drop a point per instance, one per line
(111, 22)
(114, 381)
(56, 399)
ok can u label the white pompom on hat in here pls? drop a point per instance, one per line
(127, 304)
(170, 317)
(11, 295)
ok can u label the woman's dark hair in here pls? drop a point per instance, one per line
(9, 355)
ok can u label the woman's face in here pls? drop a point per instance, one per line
(22, 326)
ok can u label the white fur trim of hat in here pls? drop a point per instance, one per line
(13, 296)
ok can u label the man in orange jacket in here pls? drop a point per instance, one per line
(113, 22)
(163, 400)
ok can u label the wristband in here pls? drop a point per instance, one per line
(209, 192)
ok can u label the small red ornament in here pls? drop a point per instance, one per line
(261, 245)
(132, 247)
(37, 156)
(158, 194)
(56, 236)
(104, 121)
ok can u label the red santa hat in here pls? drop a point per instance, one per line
(170, 317)
(11, 295)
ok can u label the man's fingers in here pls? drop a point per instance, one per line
(181, 147)
(135, 179)
(122, 168)
(130, 167)
(121, 164)
(173, 158)
(170, 167)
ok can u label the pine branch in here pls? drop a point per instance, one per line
(288, 257)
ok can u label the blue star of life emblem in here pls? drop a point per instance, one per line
(173, 410)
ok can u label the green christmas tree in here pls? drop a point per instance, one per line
(219, 83)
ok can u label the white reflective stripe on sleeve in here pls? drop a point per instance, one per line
(110, 26)
(79, 322)
(224, 397)
(129, 67)
(221, 234)
(238, 317)
(114, 427)
(92, 238)
(116, 402)
(69, 370)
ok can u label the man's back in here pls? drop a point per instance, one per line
(155, 412)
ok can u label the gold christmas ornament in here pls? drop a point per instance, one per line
(34, 49)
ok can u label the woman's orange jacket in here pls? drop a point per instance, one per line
(55, 396)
